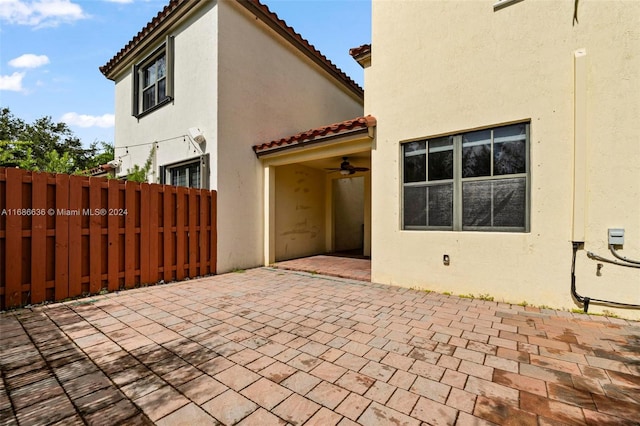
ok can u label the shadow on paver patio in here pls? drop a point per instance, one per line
(270, 346)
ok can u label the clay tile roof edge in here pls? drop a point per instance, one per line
(171, 9)
(262, 12)
(342, 128)
(363, 50)
(270, 18)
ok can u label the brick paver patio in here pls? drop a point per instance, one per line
(343, 267)
(273, 347)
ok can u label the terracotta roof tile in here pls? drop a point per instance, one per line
(262, 12)
(336, 129)
(169, 9)
(100, 169)
(356, 52)
(270, 18)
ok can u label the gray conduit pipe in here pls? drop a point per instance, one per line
(624, 259)
(594, 256)
(584, 300)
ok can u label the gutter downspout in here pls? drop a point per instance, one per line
(579, 165)
(579, 146)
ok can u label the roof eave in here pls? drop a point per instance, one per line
(310, 141)
(364, 60)
(149, 35)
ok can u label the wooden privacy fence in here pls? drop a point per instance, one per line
(64, 236)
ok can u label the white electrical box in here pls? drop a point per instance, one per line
(616, 236)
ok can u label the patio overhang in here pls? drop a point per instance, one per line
(321, 149)
(358, 131)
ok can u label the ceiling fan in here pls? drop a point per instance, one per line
(346, 168)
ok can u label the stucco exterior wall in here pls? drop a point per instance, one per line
(348, 202)
(299, 211)
(456, 67)
(267, 90)
(194, 104)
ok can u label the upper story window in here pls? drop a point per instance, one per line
(474, 181)
(154, 82)
(153, 78)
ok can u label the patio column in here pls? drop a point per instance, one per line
(367, 215)
(269, 215)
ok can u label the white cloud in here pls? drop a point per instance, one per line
(119, 1)
(12, 82)
(29, 60)
(82, 120)
(40, 13)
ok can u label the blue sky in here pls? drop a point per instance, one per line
(50, 51)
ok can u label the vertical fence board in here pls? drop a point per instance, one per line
(95, 236)
(62, 237)
(130, 234)
(3, 227)
(154, 233)
(38, 261)
(75, 236)
(202, 234)
(167, 234)
(144, 216)
(213, 229)
(13, 240)
(193, 233)
(113, 235)
(181, 215)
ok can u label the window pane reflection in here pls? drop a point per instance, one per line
(476, 154)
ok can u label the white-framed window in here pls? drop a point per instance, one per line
(153, 80)
(192, 173)
(473, 181)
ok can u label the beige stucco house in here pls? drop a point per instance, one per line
(202, 83)
(506, 132)
(497, 148)
(505, 137)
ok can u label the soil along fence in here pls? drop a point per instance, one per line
(64, 236)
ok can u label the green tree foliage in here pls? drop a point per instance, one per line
(47, 146)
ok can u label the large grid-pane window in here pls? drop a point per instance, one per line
(475, 181)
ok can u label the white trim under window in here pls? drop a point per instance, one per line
(472, 181)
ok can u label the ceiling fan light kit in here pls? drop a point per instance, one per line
(347, 169)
